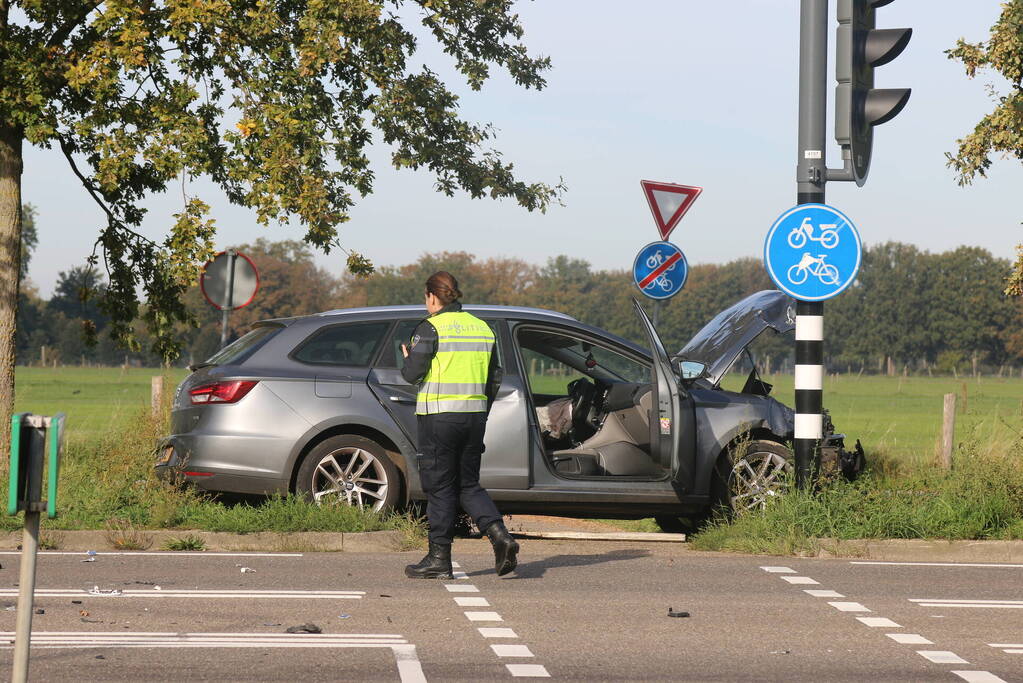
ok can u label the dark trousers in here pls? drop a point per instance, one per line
(450, 447)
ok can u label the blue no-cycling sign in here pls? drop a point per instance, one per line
(813, 252)
(660, 270)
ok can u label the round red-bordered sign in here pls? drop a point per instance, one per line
(216, 280)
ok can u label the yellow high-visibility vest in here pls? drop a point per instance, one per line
(457, 379)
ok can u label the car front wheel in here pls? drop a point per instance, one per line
(349, 469)
(763, 472)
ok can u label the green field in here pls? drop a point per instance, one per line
(898, 416)
(98, 401)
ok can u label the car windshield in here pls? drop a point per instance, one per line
(245, 346)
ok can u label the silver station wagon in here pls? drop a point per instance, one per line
(585, 423)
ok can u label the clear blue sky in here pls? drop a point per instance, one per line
(698, 93)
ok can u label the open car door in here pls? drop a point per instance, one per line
(672, 422)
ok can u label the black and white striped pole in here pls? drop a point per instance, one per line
(811, 177)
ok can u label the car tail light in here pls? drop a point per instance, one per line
(221, 392)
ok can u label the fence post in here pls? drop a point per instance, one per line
(156, 394)
(948, 431)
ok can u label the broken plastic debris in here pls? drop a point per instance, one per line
(40, 611)
(96, 590)
(344, 616)
(91, 556)
(248, 570)
(76, 602)
(100, 657)
(679, 613)
(304, 628)
(91, 621)
(270, 623)
(157, 588)
(780, 652)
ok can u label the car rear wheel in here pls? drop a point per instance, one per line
(762, 473)
(348, 469)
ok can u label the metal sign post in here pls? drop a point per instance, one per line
(32, 437)
(226, 280)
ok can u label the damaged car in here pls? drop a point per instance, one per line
(585, 423)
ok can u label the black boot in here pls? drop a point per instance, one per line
(505, 548)
(436, 564)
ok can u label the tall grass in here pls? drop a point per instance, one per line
(981, 498)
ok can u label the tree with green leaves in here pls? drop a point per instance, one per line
(276, 101)
(1001, 131)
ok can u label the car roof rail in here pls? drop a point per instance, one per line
(480, 308)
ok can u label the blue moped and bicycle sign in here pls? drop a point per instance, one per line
(812, 252)
(660, 270)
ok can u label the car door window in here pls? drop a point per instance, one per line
(351, 344)
(552, 360)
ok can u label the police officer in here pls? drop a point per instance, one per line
(452, 357)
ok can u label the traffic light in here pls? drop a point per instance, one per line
(859, 106)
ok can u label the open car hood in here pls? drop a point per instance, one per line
(721, 340)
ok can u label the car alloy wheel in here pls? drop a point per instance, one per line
(763, 473)
(350, 470)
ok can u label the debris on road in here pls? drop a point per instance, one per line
(384, 595)
(91, 556)
(76, 602)
(83, 612)
(304, 628)
(40, 611)
(248, 570)
(270, 623)
(781, 652)
(96, 590)
(100, 657)
(91, 621)
(680, 613)
(344, 616)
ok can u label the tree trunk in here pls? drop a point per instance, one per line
(10, 266)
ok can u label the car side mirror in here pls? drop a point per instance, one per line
(690, 370)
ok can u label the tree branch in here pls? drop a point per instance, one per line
(62, 33)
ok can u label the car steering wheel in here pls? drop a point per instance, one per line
(581, 391)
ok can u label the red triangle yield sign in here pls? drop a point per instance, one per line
(668, 203)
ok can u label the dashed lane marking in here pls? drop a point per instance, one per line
(979, 677)
(472, 602)
(492, 632)
(483, 616)
(1009, 648)
(461, 588)
(527, 670)
(909, 639)
(179, 593)
(848, 607)
(511, 650)
(800, 580)
(980, 604)
(877, 622)
(940, 564)
(941, 657)
(823, 593)
(779, 570)
(459, 575)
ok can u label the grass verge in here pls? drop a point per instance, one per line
(981, 498)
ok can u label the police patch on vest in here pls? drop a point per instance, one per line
(415, 340)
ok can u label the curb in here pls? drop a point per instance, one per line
(266, 541)
(641, 536)
(916, 550)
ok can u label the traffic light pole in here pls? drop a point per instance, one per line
(811, 176)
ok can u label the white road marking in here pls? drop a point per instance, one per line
(822, 593)
(909, 638)
(492, 632)
(527, 670)
(800, 580)
(981, 604)
(878, 622)
(483, 616)
(979, 677)
(1006, 644)
(409, 668)
(941, 564)
(502, 650)
(157, 553)
(1009, 648)
(1013, 652)
(942, 657)
(180, 593)
(459, 575)
(461, 588)
(455, 564)
(848, 607)
(472, 602)
(779, 570)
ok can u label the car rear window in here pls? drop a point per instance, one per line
(244, 346)
(352, 344)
